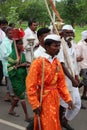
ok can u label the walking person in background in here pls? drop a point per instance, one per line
(17, 73)
(41, 34)
(54, 86)
(72, 78)
(4, 24)
(5, 50)
(2, 36)
(30, 32)
(81, 50)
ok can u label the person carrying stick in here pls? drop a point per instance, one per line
(45, 83)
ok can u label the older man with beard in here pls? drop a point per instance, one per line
(72, 79)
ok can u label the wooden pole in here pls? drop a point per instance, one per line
(63, 43)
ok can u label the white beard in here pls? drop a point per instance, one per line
(69, 38)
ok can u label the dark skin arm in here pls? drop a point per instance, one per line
(22, 65)
(73, 80)
(79, 59)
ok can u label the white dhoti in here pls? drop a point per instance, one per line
(70, 114)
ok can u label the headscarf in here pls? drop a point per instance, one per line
(84, 35)
(17, 34)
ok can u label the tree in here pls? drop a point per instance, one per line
(35, 10)
(82, 20)
(71, 11)
(13, 16)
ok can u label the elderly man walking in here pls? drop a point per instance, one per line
(71, 74)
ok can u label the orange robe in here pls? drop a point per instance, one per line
(54, 87)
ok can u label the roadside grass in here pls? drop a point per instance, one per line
(78, 31)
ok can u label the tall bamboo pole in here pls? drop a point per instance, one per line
(63, 43)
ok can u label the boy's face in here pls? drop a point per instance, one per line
(53, 49)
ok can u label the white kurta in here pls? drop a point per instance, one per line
(81, 51)
(2, 36)
(29, 34)
(70, 114)
(5, 50)
(39, 52)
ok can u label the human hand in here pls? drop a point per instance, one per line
(75, 82)
(77, 78)
(28, 64)
(79, 59)
(70, 105)
(24, 65)
(37, 111)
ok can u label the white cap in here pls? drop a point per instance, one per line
(68, 27)
(54, 37)
(84, 35)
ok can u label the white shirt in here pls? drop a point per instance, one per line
(42, 52)
(60, 55)
(2, 36)
(29, 34)
(81, 50)
(5, 50)
(73, 62)
(39, 52)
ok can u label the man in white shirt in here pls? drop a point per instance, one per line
(2, 36)
(5, 50)
(71, 74)
(81, 50)
(4, 24)
(41, 34)
(30, 33)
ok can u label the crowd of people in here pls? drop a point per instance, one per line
(48, 67)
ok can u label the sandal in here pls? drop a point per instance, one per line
(29, 119)
(13, 114)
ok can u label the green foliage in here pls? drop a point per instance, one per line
(35, 10)
(78, 31)
(13, 16)
(72, 11)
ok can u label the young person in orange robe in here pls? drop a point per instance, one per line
(54, 86)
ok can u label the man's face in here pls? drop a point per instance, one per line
(68, 35)
(53, 49)
(41, 38)
(4, 26)
(34, 26)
